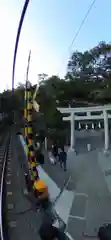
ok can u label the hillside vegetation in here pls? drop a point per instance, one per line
(87, 82)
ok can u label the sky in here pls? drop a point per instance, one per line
(48, 30)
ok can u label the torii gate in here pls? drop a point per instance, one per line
(73, 116)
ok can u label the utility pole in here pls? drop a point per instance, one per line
(25, 98)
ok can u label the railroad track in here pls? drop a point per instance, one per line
(5, 155)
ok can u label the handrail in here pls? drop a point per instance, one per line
(1, 189)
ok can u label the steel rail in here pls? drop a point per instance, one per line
(2, 181)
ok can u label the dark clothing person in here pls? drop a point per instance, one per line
(28, 182)
(49, 232)
(55, 150)
(41, 193)
(44, 203)
(63, 158)
(39, 157)
(105, 232)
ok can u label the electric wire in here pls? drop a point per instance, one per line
(78, 30)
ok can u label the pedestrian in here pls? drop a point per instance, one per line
(41, 193)
(52, 158)
(48, 232)
(28, 182)
(39, 157)
(55, 150)
(63, 158)
(104, 232)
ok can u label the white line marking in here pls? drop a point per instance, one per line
(25, 191)
(86, 208)
(67, 183)
(8, 182)
(10, 206)
(77, 217)
(69, 236)
(12, 224)
(9, 193)
(9, 174)
(81, 194)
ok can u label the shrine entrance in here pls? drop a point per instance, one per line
(97, 113)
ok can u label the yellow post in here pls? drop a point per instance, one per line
(25, 107)
(31, 155)
(25, 118)
(30, 103)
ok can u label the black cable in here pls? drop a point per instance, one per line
(81, 25)
(17, 39)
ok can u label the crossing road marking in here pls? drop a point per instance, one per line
(9, 174)
(25, 191)
(10, 206)
(69, 236)
(12, 224)
(8, 182)
(81, 194)
(9, 193)
(77, 217)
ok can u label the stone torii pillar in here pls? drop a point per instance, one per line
(106, 131)
(72, 139)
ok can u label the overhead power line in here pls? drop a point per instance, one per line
(81, 25)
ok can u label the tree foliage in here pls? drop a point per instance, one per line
(88, 79)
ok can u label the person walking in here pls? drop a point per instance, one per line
(41, 194)
(39, 156)
(49, 232)
(63, 158)
(55, 151)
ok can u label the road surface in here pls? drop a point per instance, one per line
(91, 206)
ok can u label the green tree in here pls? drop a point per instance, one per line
(92, 64)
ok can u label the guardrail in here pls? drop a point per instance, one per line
(3, 228)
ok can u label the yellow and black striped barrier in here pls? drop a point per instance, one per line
(30, 103)
(25, 119)
(31, 154)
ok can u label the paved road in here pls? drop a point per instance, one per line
(97, 202)
(92, 203)
(91, 206)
